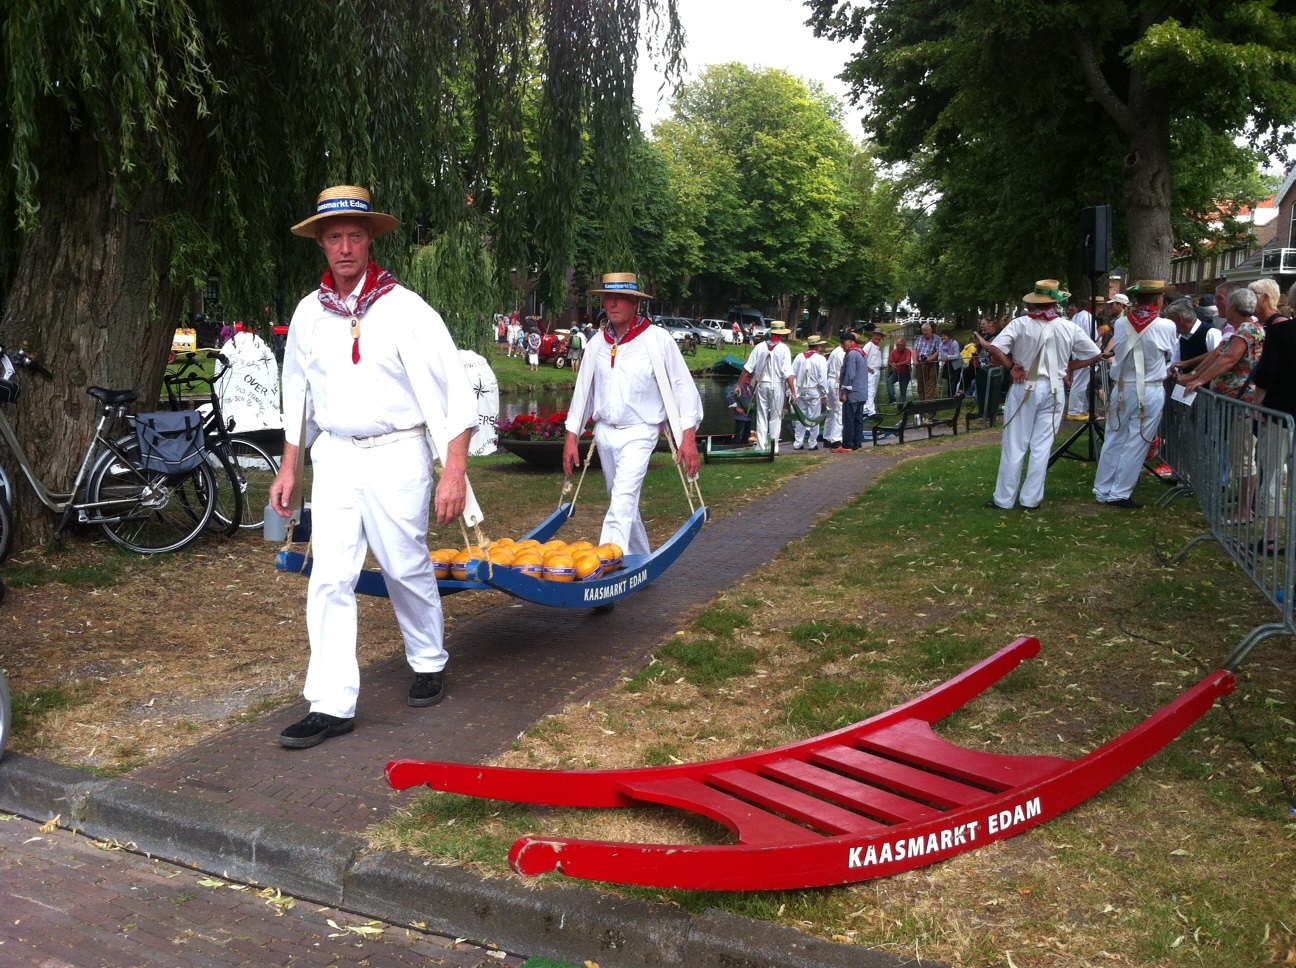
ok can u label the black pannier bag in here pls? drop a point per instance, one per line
(170, 441)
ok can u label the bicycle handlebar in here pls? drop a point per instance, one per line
(24, 360)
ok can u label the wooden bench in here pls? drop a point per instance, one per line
(928, 409)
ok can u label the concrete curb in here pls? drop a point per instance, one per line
(566, 923)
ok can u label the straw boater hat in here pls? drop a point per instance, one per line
(1046, 291)
(814, 341)
(620, 284)
(348, 200)
(1151, 287)
(779, 328)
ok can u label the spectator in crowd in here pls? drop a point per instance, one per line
(1078, 399)
(514, 336)
(1196, 338)
(1275, 388)
(900, 361)
(1268, 295)
(832, 429)
(985, 372)
(769, 367)
(927, 353)
(810, 374)
(1038, 349)
(1206, 311)
(533, 341)
(575, 348)
(951, 355)
(739, 401)
(1222, 293)
(1143, 347)
(1228, 372)
(853, 393)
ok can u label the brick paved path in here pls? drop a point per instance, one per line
(512, 665)
(69, 904)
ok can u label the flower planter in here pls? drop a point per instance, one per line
(544, 453)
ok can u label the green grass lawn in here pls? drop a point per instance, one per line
(1191, 860)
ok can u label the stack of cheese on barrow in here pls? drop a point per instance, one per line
(553, 560)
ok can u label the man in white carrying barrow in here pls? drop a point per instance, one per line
(373, 380)
(1038, 349)
(769, 368)
(633, 380)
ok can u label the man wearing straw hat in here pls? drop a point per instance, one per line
(810, 373)
(373, 383)
(769, 367)
(1039, 349)
(628, 369)
(1143, 347)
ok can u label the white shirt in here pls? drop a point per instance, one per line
(627, 394)
(1083, 320)
(409, 372)
(836, 359)
(1160, 345)
(811, 373)
(874, 357)
(1054, 342)
(772, 360)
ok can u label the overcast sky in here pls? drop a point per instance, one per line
(758, 33)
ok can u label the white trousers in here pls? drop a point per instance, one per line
(1128, 438)
(624, 453)
(1031, 423)
(1079, 400)
(362, 498)
(769, 413)
(832, 428)
(811, 405)
(870, 405)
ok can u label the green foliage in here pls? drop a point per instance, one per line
(1018, 115)
(456, 274)
(705, 662)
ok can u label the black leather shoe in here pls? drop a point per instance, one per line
(991, 506)
(1125, 503)
(428, 688)
(313, 730)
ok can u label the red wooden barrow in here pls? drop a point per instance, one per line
(874, 799)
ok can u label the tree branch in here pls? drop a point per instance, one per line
(1093, 75)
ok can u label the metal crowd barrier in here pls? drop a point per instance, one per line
(1237, 459)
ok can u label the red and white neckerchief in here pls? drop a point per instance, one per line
(377, 283)
(1044, 315)
(810, 351)
(640, 324)
(1142, 316)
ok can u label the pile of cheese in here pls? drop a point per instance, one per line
(552, 561)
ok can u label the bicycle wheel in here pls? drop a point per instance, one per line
(6, 528)
(5, 708)
(256, 469)
(146, 511)
(228, 514)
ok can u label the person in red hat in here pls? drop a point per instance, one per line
(373, 385)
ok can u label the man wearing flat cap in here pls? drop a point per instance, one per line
(634, 379)
(1039, 349)
(373, 385)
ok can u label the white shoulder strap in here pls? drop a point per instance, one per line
(667, 391)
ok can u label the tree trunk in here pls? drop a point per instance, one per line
(1147, 207)
(92, 301)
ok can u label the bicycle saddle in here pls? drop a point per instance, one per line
(111, 398)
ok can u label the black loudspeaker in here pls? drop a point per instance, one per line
(1097, 240)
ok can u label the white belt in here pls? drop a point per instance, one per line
(377, 440)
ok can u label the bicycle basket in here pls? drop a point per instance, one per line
(170, 442)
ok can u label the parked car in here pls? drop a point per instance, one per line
(678, 328)
(705, 335)
(725, 329)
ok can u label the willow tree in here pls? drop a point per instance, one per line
(148, 144)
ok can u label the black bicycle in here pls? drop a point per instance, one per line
(243, 468)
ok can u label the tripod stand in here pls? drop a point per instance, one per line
(1090, 430)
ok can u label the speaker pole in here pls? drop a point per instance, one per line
(1090, 429)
